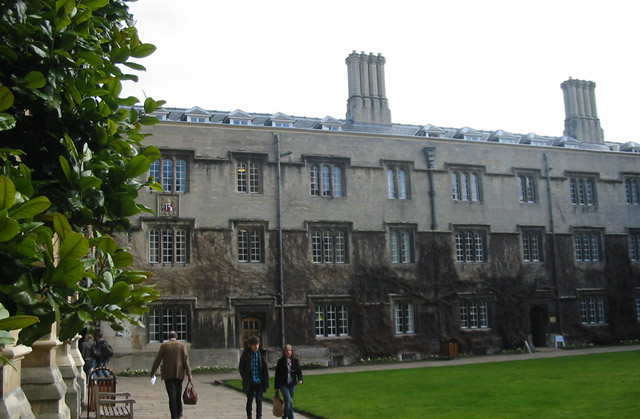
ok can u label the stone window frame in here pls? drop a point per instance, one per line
(159, 252)
(331, 319)
(177, 181)
(466, 183)
(583, 190)
(248, 172)
(475, 312)
(329, 245)
(593, 246)
(398, 188)
(158, 327)
(527, 187)
(474, 252)
(404, 317)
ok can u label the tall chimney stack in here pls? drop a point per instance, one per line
(367, 102)
(581, 116)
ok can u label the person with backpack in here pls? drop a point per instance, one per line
(87, 353)
(101, 353)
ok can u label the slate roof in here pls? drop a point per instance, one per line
(403, 130)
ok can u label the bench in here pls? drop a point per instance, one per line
(316, 355)
(99, 384)
(114, 405)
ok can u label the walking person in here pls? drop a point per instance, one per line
(255, 375)
(101, 352)
(175, 364)
(87, 349)
(288, 375)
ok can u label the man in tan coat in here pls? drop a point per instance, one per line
(175, 363)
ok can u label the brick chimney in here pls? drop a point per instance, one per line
(581, 116)
(367, 101)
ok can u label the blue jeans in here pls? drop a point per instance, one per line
(101, 373)
(287, 395)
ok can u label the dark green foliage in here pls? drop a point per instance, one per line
(70, 155)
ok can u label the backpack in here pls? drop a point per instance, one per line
(101, 351)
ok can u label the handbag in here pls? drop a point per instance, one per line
(190, 396)
(278, 406)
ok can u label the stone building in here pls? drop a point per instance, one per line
(359, 237)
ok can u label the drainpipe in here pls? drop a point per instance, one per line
(429, 155)
(279, 156)
(554, 263)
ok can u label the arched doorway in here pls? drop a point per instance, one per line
(539, 325)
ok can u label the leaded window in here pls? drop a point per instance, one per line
(527, 189)
(250, 245)
(404, 318)
(328, 246)
(583, 191)
(171, 173)
(474, 314)
(248, 176)
(632, 190)
(168, 245)
(401, 246)
(471, 246)
(532, 245)
(592, 310)
(332, 320)
(397, 183)
(634, 245)
(326, 180)
(162, 320)
(587, 246)
(465, 186)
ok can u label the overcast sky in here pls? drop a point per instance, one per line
(485, 64)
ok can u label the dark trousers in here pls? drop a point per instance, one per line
(174, 391)
(255, 390)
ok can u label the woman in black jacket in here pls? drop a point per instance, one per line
(288, 374)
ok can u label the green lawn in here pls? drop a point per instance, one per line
(589, 386)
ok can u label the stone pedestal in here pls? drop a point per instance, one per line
(70, 374)
(79, 362)
(42, 380)
(14, 403)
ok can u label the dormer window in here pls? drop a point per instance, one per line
(539, 143)
(238, 117)
(280, 120)
(329, 124)
(469, 134)
(160, 116)
(630, 147)
(431, 131)
(196, 114)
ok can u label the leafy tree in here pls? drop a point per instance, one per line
(70, 154)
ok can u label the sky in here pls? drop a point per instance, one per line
(484, 64)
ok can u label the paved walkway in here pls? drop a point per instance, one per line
(218, 402)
